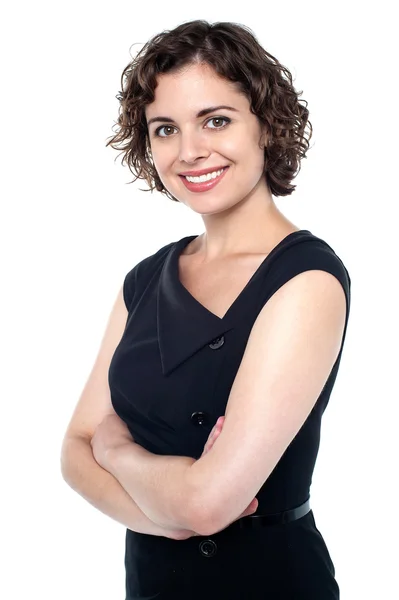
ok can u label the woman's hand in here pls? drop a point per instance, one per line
(213, 435)
(110, 434)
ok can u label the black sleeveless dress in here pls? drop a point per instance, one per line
(170, 379)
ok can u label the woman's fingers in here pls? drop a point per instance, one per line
(251, 508)
(217, 428)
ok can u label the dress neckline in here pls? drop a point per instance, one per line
(183, 242)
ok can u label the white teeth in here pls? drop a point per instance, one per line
(206, 177)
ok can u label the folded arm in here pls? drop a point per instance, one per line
(290, 353)
(297, 335)
(160, 485)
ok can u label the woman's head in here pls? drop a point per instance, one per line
(195, 66)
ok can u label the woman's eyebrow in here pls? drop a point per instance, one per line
(201, 113)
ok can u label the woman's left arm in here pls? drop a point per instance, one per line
(160, 485)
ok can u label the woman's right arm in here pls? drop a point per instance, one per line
(84, 475)
(78, 465)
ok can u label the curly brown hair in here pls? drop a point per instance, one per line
(236, 55)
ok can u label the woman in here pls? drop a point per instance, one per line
(231, 340)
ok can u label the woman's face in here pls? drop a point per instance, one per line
(221, 138)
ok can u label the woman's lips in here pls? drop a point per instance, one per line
(205, 185)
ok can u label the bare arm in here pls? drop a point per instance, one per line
(80, 469)
(162, 485)
(159, 484)
(78, 466)
(100, 488)
(298, 334)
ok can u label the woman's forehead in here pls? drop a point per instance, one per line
(194, 93)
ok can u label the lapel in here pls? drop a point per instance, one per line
(184, 324)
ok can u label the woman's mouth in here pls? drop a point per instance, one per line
(203, 186)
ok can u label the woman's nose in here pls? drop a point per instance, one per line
(192, 147)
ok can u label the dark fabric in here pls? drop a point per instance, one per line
(170, 379)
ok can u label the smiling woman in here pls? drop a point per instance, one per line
(246, 321)
(254, 88)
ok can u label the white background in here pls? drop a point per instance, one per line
(72, 228)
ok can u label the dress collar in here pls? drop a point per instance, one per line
(184, 324)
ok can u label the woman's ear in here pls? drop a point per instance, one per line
(265, 139)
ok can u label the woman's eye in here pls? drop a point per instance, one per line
(218, 119)
(163, 127)
(157, 132)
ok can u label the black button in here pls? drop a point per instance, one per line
(208, 548)
(217, 343)
(200, 418)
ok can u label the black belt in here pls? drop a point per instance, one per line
(255, 521)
